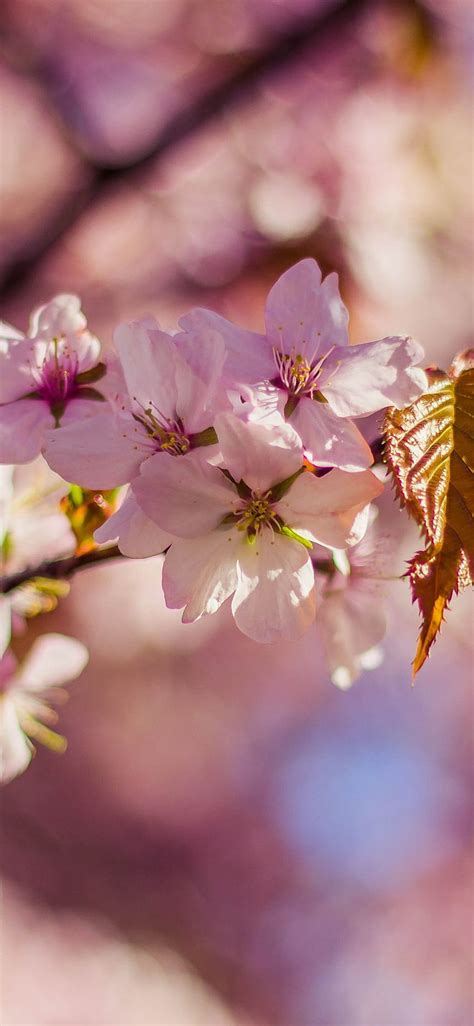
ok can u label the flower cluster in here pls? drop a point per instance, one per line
(238, 448)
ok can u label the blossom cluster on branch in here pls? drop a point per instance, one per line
(241, 456)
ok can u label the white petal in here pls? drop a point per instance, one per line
(331, 509)
(258, 454)
(352, 623)
(137, 535)
(275, 597)
(329, 440)
(15, 749)
(183, 494)
(53, 659)
(200, 573)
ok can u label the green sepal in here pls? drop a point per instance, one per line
(94, 374)
(289, 533)
(280, 489)
(290, 406)
(206, 437)
(86, 392)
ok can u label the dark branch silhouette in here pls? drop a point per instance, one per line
(58, 569)
(313, 31)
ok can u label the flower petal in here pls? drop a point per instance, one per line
(199, 367)
(249, 356)
(137, 535)
(331, 510)
(22, 427)
(15, 749)
(275, 597)
(328, 440)
(53, 659)
(257, 453)
(352, 625)
(364, 378)
(15, 373)
(148, 358)
(200, 573)
(101, 452)
(61, 316)
(183, 494)
(304, 314)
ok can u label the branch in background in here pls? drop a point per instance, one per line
(58, 569)
(313, 31)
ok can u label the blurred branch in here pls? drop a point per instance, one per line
(316, 30)
(58, 569)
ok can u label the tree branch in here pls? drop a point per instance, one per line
(58, 569)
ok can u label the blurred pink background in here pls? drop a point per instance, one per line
(230, 840)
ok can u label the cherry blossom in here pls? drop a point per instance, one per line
(352, 618)
(305, 355)
(47, 378)
(25, 715)
(245, 529)
(164, 404)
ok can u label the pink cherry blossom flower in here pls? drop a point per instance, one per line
(165, 405)
(245, 529)
(25, 714)
(47, 378)
(352, 618)
(305, 354)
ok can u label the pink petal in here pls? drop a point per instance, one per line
(200, 573)
(102, 452)
(137, 535)
(304, 314)
(258, 454)
(249, 357)
(275, 597)
(53, 659)
(22, 427)
(78, 409)
(148, 358)
(352, 625)
(331, 510)
(364, 378)
(184, 494)
(199, 369)
(15, 374)
(15, 749)
(328, 440)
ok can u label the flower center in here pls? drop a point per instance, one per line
(256, 512)
(168, 433)
(57, 374)
(298, 374)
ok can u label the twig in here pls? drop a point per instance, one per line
(58, 569)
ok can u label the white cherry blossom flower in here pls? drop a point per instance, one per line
(246, 529)
(25, 713)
